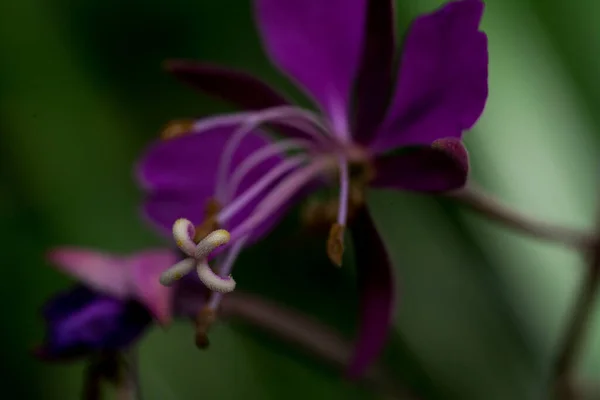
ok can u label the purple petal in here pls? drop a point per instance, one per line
(375, 80)
(440, 167)
(317, 43)
(237, 87)
(180, 175)
(82, 321)
(442, 85)
(376, 290)
(190, 296)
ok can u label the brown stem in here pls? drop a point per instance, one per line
(92, 382)
(306, 333)
(128, 387)
(576, 331)
(492, 209)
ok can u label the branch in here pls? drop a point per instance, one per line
(128, 387)
(576, 331)
(494, 210)
(92, 382)
(308, 334)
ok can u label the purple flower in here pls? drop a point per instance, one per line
(378, 125)
(116, 303)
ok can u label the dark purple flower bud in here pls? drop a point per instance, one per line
(81, 321)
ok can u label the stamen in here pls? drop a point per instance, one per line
(207, 316)
(250, 194)
(258, 157)
(356, 199)
(212, 207)
(204, 320)
(218, 121)
(281, 194)
(211, 210)
(344, 191)
(176, 129)
(335, 244)
(275, 114)
(291, 116)
(226, 268)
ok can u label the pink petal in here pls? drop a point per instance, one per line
(146, 268)
(105, 273)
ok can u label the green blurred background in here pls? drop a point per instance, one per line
(482, 308)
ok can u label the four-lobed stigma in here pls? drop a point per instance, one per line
(183, 233)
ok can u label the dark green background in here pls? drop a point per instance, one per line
(82, 92)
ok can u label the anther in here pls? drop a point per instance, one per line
(210, 223)
(335, 244)
(315, 215)
(362, 172)
(176, 129)
(212, 207)
(204, 320)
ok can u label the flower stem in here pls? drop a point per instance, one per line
(92, 383)
(493, 209)
(576, 331)
(310, 335)
(129, 387)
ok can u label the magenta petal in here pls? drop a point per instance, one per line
(318, 44)
(442, 85)
(376, 291)
(375, 80)
(146, 268)
(180, 175)
(191, 161)
(105, 273)
(440, 167)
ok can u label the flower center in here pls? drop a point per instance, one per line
(319, 213)
(318, 153)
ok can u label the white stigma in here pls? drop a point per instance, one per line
(183, 232)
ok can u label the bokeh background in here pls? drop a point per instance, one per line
(481, 308)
